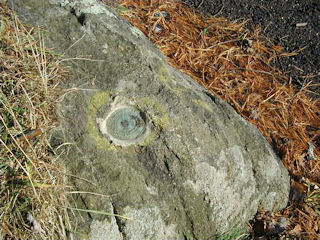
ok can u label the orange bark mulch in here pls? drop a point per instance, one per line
(236, 64)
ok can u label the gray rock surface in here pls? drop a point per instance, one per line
(179, 163)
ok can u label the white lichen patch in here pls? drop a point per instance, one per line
(152, 190)
(211, 179)
(106, 229)
(148, 224)
(88, 6)
(98, 9)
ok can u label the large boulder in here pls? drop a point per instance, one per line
(146, 140)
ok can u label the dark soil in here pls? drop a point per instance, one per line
(279, 19)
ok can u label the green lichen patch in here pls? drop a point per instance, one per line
(95, 103)
(203, 104)
(165, 77)
(157, 112)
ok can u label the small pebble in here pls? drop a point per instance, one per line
(301, 24)
(158, 28)
(163, 14)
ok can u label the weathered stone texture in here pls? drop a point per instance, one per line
(201, 169)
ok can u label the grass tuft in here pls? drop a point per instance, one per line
(31, 179)
(233, 234)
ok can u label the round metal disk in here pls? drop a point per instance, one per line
(125, 125)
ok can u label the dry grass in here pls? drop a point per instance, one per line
(32, 184)
(236, 65)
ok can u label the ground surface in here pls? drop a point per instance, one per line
(279, 19)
